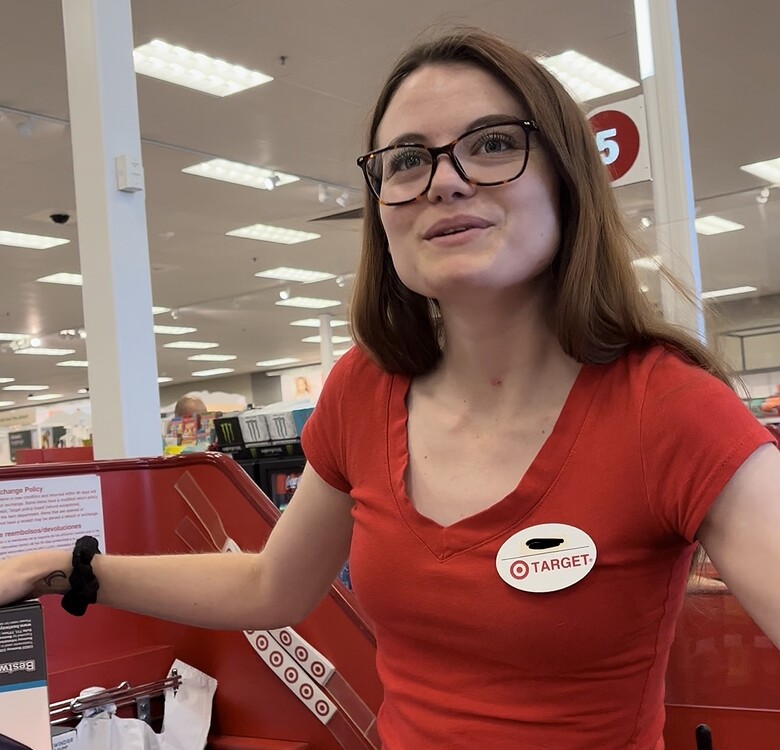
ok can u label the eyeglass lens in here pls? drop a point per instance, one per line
(493, 154)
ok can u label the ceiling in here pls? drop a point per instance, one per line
(328, 59)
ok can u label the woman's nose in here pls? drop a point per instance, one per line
(447, 183)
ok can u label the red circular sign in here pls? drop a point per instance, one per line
(617, 139)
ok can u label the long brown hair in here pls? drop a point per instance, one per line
(598, 311)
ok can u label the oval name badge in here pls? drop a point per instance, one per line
(547, 557)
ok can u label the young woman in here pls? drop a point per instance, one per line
(519, 451)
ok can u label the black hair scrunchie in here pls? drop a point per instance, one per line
(83, 583)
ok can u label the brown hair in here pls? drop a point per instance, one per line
(598, 311)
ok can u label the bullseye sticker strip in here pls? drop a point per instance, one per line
(291, 673)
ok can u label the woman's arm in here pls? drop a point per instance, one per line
(249, 591)
(741, 534)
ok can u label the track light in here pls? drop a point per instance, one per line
(284, 293)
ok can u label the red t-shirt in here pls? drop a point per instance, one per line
(641, 449)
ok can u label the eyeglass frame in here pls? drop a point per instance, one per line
(529, 126)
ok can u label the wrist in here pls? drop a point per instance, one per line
(49, 572)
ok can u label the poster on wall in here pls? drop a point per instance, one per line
(301, 383)
(49, 513)
(19, 440)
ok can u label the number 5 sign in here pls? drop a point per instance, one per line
(621, 138)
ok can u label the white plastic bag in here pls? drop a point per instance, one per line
(186, 719)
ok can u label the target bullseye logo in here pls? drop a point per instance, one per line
(284, 638)
(306, 691)
(519, 569)
(301, 654)
(291, 674)
(317, 669)
(261, 642)
(276, 659)
(321, 707)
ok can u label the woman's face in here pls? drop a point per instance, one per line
(514, 232)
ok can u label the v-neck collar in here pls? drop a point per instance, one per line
(509, 511)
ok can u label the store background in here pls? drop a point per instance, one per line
(328, 60)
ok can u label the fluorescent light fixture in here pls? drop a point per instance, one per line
(241, 174)
(12, 336)
(45, 352)
(651, 263)
(83, 390)
(157, 310)
(716, 225)
(7, 403)
(164, 379)
(312, 303)
(767, 170)
(277, 362)
(70, 279)
(191, 345)
(586, 79)
(644, 38)
(334, 339)
(315, 323)
(194, 70)
(215, 371)
(267, 233)
(44, 397)
(174, 330)
(26, 388)
(30, 241)
(212, 357)
(295, 274)
(7, 380)
(728, 292)
(73, 363)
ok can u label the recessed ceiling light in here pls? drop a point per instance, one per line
(26, 388)
(267, 233)
(315, 323)
(277, 362)
(728, 292)
(241, 174)
(767, 170)
(295, 274)
(174, 330)
(164, 379)
(312, 303)
(212, 357)
(30, 241)
(83, 390)
(158, 310)
(715, 225)
(12, 336)
(70, 279)
(586, 79)
(334, 339)
(651, 263)
(73, 363)
(215, 371)
(44, 397)
(191, 345)
(7, 403)
(42, 350)
(194, 70)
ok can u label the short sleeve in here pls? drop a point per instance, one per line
(323, 434)
(695, 432)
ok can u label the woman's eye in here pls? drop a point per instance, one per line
(493, 143)
(403, 161)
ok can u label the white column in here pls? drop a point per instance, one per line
(660, 62)
(326, 344)
(113, 243)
